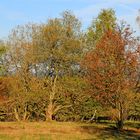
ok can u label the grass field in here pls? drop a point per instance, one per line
(67, 131)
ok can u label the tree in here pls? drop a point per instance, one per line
(138, 51)
(60, 48)
(112, 72)
(20, 60)
(138, 18)
(44, 53)
(105, 21)
(3, 51)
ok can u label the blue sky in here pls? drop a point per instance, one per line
(15, 12)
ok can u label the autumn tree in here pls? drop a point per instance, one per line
(112, 72)
(3, 50)
(20, 60)
(61, 48)
(4, 93)
(45, 54)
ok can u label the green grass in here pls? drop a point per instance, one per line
(67, 131)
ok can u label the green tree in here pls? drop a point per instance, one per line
(105, 21)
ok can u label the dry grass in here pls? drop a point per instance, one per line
(64, 131)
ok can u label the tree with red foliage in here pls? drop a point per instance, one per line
(112, 74)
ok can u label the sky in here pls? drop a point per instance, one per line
(18, 12)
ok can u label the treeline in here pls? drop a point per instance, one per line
(56, 71)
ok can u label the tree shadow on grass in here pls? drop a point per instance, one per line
(106, 133)
(134, 125)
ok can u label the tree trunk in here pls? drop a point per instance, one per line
(16, 115)
(25, 115)
(50, 109)
(120, 121)
(49, 112)
(120, 124)
(93, 117)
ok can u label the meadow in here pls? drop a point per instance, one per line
(68, 131)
